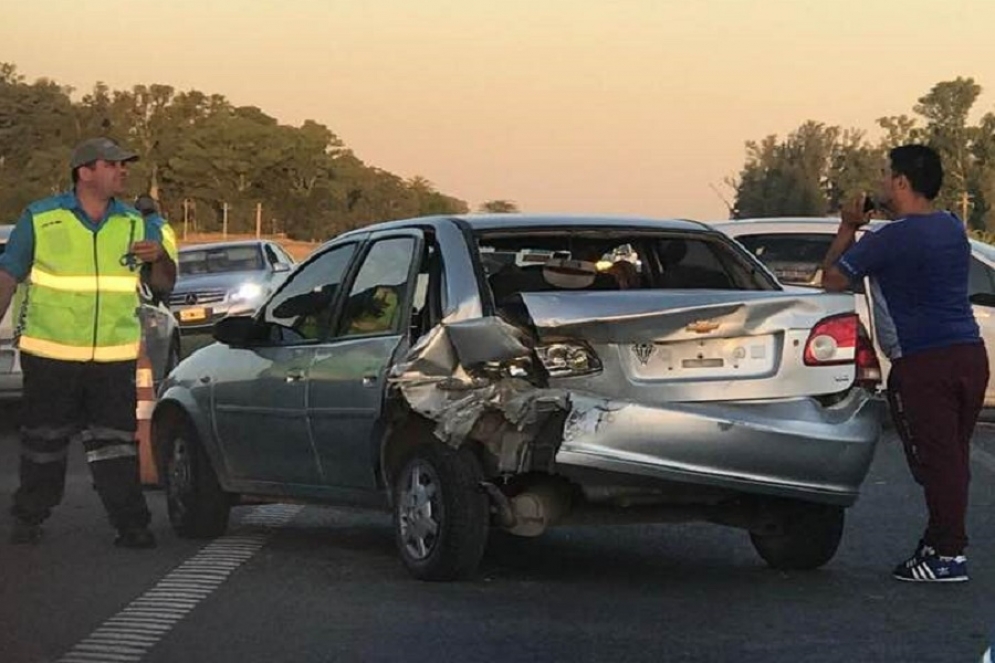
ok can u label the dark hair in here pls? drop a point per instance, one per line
(921, 166)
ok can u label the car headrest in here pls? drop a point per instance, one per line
(569, 274)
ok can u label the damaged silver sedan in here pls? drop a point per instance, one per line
(520, 372)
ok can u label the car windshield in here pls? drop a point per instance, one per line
(585, 260)
(793, 258)
(217, 260)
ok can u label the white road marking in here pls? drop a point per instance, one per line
(129, 635)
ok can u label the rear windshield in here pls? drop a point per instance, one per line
(589, 260)
(793, 258)
(220, 259)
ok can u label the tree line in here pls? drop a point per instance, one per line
(817, 166)
(204, 159)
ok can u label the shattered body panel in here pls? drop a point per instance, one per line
(777, 446)
(789, 448)
(753, 423)
(506, 414)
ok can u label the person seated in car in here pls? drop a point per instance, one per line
(372, 310)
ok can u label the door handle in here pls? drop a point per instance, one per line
(369, 380)
(295, 376)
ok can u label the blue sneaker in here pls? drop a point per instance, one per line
(927, 566)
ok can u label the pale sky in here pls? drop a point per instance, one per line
(624, 107)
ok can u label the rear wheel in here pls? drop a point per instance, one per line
(441, 515)
(197, 506)
(809, 537)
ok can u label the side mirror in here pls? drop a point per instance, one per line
(236, 331)
(281, 267)
(983, 299)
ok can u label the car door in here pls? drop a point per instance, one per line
(981, 288)
(348, 377)
(260, 392)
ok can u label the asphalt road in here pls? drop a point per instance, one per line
(319, 584)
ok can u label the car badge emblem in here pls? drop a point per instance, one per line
(702, 326)
(643, 352)
(190, 299)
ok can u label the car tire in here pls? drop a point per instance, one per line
(810, 536)
(197, 506)
(441, 515)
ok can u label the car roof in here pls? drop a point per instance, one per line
(223, 245)
(785, 224)
(820, 225)
(526, 222)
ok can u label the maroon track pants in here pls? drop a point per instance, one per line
(936, 396)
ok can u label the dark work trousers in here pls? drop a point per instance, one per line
(89, 402)
(935, 397)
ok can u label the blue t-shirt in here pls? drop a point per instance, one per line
(17, 258)
(918, 268)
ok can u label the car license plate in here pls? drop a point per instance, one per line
(750, 356)
(193, 314)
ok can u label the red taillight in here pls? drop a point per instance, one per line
(868, 366)
(833, 341)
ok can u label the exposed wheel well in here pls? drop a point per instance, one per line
(166, 418)
(409, 433)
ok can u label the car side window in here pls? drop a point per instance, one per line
(302, 310)
(376, 298)
(980, 279)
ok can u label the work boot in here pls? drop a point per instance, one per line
(24, 533)
(135, 537)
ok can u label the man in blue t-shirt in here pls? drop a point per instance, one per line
(918, 266)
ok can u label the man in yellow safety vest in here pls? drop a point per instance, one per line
(78, 255)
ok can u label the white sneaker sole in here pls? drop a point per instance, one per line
(931, 580)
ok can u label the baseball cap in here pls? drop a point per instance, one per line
(99, 148)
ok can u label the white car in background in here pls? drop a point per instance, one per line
(222, 278)
(793, 249)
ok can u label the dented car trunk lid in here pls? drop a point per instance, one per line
(660, 346)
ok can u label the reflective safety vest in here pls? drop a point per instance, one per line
(168, 238)
(169, 243)
(82, 295)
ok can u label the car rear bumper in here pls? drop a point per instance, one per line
(794, 448)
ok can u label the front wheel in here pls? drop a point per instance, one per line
(809, 537)
(441, 515)
(197, 506)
